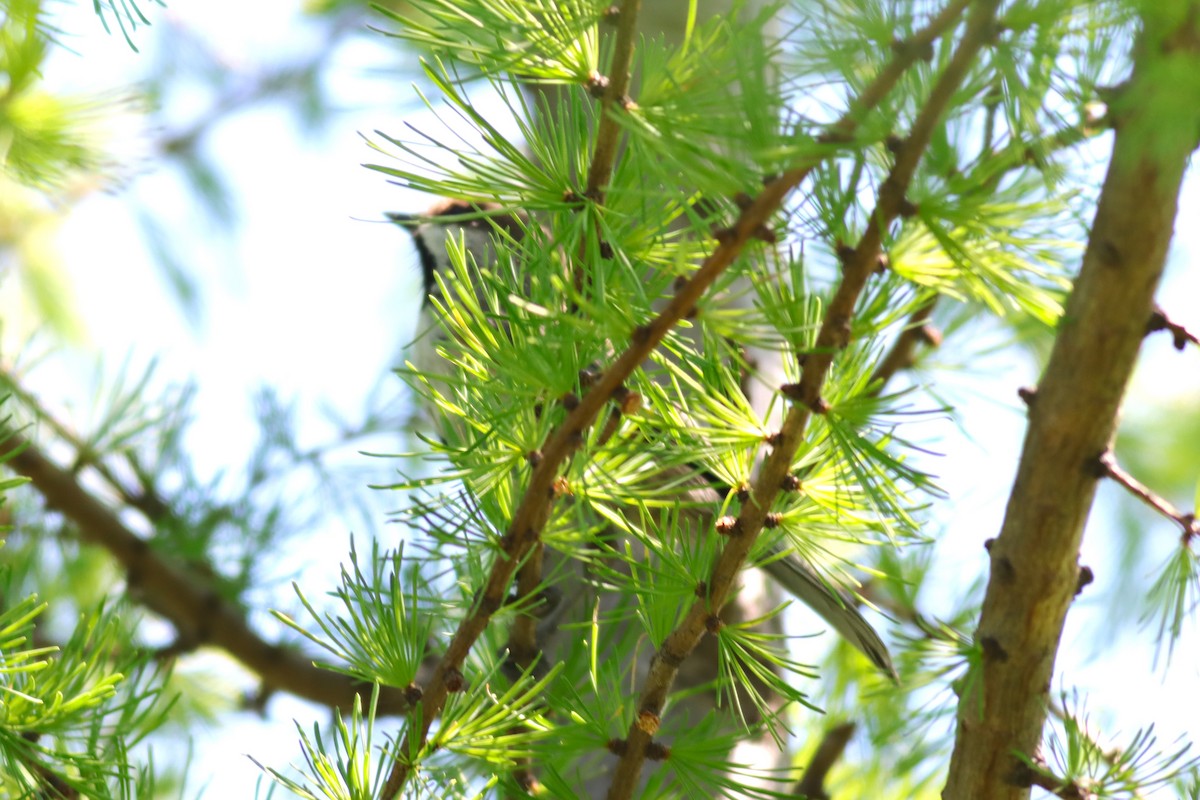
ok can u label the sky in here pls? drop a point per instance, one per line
(316, 296)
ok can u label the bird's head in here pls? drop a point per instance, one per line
(476, 225)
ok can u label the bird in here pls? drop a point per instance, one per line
(482, 228)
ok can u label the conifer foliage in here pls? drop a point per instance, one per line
(868, 194)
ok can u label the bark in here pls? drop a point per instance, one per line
(1073, 415)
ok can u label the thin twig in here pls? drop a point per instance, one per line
(522, 645)
(523, 648)
(1109, 468)
(857, 267)
(902, 354)
(833, 743)
(1159, 321)
(604, 156)
(1038, 774)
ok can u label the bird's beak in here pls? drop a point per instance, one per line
(407, 221)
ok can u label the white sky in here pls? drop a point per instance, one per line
(307, 282)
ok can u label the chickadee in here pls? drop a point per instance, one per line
(442, 223)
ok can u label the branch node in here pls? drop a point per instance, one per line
(845, 253)
(791, 391)
(589, 375)
(992, 649)
(1180, 336)
(454, 680)
(1004, 570)
(930, 335)
(672, 660)
(596, 84)
(656, 751)
(909, 48)
(1105, 465)
(629, 402)
(729, 526)
(1086, 576)
(648, 722)
(724, 235)
(763, 233)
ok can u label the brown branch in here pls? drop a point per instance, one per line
(1059, 787)
(533, 512)
(1159, 321)
(905, 54)
(1113, 756)
(523, 649)
(833, 743)
(857, 267)
(544, 486)
(1034, 560)
(145, 501)
(534, 509)
(903, 352)
(613, 91)
(616, 90)
(1109, 468)
(199, 614)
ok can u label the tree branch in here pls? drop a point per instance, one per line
(1159, 321)
(1109, 468)
(522, 642)
(616, 95)
(857, 267)
(812, 785)
(198, 613)
(544, 483)
(1034, 560)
